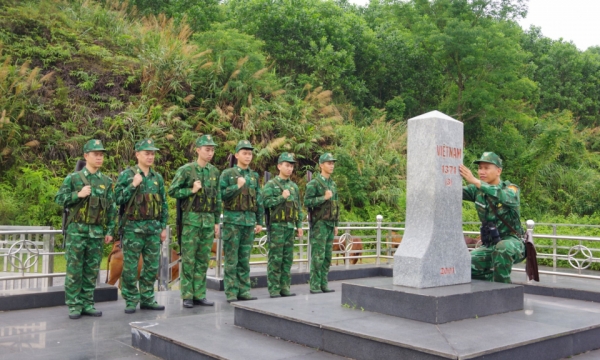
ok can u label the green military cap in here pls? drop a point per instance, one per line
(243, 144)
(205, 140)
(490, 157)
(146, 144)
(93, 145)
(286, 157)
(326, 157)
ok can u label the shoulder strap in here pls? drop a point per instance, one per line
(322, 182)
(194, 173)
(83, 178)
(276, 181)
(502, 219)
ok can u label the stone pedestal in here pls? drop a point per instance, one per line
(437, 305)
(433, 251)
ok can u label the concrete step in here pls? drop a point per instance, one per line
(547, 328)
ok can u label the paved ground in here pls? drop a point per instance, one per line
(48, 333)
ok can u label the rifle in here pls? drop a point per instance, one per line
(267, 177)
(309, 212)
(65, 218)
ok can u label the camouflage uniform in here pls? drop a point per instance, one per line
(145, 217)
(93, 218)
(238, 226)
(494, 262)
(200, 213)
(285, 215)
(324, 218)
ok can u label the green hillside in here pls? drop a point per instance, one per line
(302, 76)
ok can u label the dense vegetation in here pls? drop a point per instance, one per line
(301, 76)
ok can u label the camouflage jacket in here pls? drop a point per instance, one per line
(315, 194)
(101, 187)
(181, 188)
(504, 197)
(153, 183)
(229, 190)
(272, 198)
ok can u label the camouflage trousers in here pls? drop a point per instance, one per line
(495, 263)
(321, 246)
(83, 255)
(281, 257)
(134, 245)
(195, 255)
(237, 245)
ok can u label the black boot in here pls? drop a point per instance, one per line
(187, 303)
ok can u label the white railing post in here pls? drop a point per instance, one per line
(379, 220)
(554, 248)
(219, 254)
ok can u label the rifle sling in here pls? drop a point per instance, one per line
(502, 219)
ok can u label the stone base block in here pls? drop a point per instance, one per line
(50, 296)
(432, 305)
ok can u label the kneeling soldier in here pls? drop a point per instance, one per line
(142, 191)
(89, 196)
(197, 185)
(497, 203)
(282, 198)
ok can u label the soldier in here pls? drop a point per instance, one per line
(321, 199)
(196, 184)
(242, 218)
(282, 197)
(90, 198)
(141, 191)
(497, 204)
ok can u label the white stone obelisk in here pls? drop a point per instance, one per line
(433, 251)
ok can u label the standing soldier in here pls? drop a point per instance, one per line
(242, 218)
(196, 185)
(282, 197)
(497, 203)
(321, 199)
(141, 191)
(90, 198)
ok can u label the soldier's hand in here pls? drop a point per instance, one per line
(163, 235)
(197, 186)
(300, 233)
(257, 229)
(86, 191)
(466, 173)
(216, 230)
(335, 231)
(285, 193)
(137, 179)
(328, 194)
(241, 181)
(108, 239)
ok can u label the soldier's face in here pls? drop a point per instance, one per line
(489, 173)
(145, 157)
(94, 158)
(327, 167)
(244, 157)
(206, 153)
(285, 169)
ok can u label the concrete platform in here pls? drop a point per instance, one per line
(560, 286)
(49, 296)
(437, 305)
(547, 328)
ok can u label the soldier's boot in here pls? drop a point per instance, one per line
(275, 295)
(246, 297)
(74, 314)
(203, 302)
(286, 293)
(188, 303)
(152, 306)
(130, 308)
(327, 290)
(91, 311)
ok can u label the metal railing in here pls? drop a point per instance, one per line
(366, 242)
